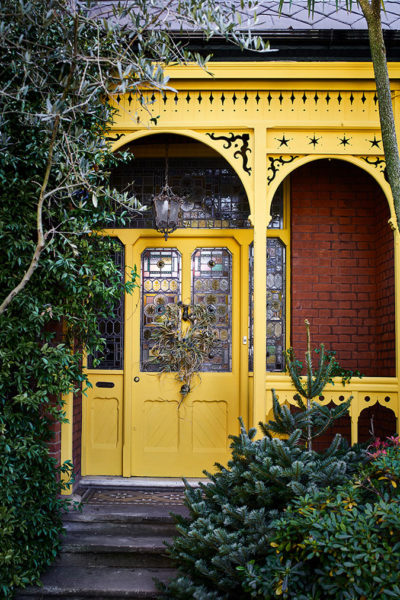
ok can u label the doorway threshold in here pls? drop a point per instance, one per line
(142, 483)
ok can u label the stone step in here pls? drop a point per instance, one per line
(95, 550)
(81, 583)
(124, 520)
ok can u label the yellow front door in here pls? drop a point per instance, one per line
(168, 439)
(132, 422)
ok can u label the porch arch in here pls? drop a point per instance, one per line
(355, 160)
(343, 266)
(199, 137)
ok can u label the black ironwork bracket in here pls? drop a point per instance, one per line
(378, 163)
(275, 165)
(116, 138)
(241, 152)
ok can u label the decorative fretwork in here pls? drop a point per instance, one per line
(378, 163)
(115, 138)
(275, 164)
(213, 194)
(293, 105)
(112, 328)
(276, 304)
(243, 149)
(160, 286)
(212, 286)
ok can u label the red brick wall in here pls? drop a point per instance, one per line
(342, 266)
(55, 441)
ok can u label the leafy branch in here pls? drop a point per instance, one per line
(313, 419)
(183, 350)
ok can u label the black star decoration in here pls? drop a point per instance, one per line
(374, 143)
(344, 140)
(283, 141)
(314, 140)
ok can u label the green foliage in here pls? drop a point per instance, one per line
(380, 477)
(314, 419)
(341, 542)
(224, 548)
(183, 349)
(231, 517)
(30, 511)
(60, 63)
(331, 545)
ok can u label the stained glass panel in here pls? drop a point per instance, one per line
(276, 305)
(212, 286)
(161, 285)
(112, 328)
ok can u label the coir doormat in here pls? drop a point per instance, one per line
(124, 496)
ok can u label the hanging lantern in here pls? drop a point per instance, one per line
(166, 206)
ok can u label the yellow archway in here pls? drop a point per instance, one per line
(246, 182)
(355, 160)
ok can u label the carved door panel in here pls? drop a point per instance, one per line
(168, 439)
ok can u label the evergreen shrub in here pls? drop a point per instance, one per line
(341, 543)
(230, 522)
(30, 509)
(224, 548)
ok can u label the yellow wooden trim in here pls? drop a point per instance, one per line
(245, 239)
(355, 160)
(103, 371)
(281, 70)
(131, 305)
(364, 385)
(287, 240)
(377, 389)
(261, 210)
(66, 434)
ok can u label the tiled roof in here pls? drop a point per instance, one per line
(294, 16)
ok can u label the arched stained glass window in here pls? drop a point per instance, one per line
(213, 194)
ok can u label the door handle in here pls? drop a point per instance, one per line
(136, 379)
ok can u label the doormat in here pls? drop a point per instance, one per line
(123, 496)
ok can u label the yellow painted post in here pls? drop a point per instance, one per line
(66, 433)
(354, 428)
(354, 416)
(260, 275)
(130, 305)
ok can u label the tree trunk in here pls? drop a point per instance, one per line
(372, 13)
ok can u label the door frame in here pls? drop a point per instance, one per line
(129, 238)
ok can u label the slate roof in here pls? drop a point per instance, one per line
(294, 16)
(326, 16)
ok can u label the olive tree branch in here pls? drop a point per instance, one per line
(41, 236)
